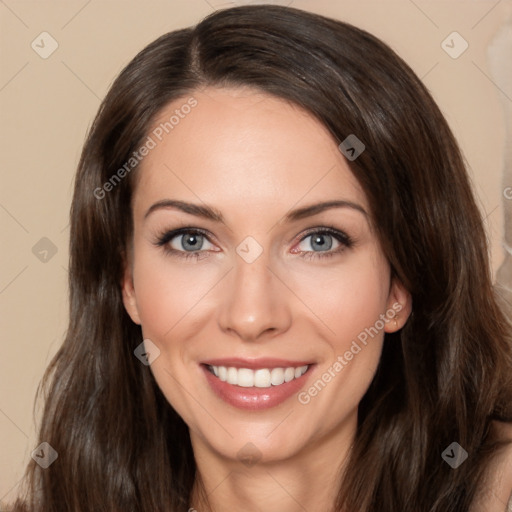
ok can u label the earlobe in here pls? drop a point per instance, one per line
(399, 303)
(129, 298)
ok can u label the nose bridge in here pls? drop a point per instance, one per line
(254, 301)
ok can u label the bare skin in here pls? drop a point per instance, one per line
(495, 491)
(254, 158)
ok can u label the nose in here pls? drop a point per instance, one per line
(255, 302)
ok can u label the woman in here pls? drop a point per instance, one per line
(280, 297)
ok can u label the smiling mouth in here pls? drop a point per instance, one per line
(258, 378)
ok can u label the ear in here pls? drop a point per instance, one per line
(399, 303)
(129, 297)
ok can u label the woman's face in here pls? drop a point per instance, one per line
(262, 282)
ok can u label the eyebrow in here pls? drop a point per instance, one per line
(210, 213)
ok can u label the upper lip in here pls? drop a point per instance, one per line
(263, 362)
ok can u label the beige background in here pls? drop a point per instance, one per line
(48, 104)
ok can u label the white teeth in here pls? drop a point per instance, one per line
(289, 374)
(245, 378)
(232, 377)
(222, 372)
(277, 376)
(261, 378)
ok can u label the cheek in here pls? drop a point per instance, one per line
(168, 290)
(346, 298)
(350, 301)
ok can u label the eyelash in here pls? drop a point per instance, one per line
(345, 241)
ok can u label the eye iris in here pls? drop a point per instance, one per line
(319, 240)
(192, 239)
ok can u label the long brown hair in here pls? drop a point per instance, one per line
(443, 378)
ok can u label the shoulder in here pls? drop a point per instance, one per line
(496, 492)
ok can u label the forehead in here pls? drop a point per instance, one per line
(239, 146)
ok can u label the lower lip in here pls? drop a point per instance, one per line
(255, 398)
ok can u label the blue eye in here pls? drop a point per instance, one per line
(189, 243)
(184, 242)
(322, 239)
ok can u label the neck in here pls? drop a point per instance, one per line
(309, 480)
